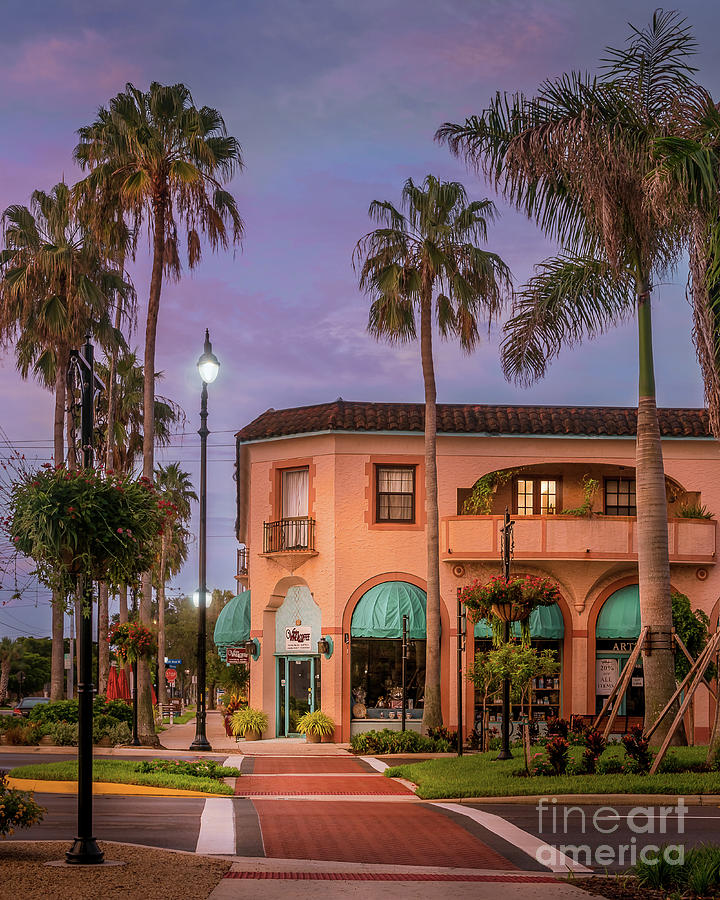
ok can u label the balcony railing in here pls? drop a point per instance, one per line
(242, 562)
(287, 535)
(465, 538)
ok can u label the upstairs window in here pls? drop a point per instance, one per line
(537, 496)
(620, 497)
(395, 491)
(294, 493)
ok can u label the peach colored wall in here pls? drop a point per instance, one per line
(350, 553)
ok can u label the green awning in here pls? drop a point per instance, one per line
(546, 623)
(620, 615)
(379, 612)
(232, 628)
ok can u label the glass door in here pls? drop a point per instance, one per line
(298, 687)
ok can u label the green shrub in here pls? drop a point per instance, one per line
(119, 733)
(657, 873)
(64, 734)
(59, 711)
(637, 749)
(245, 721)
(387, 741)
(115, 709)
(205, 769)
(18, 809)
(609, 765)
(316, 723)
(23, 734)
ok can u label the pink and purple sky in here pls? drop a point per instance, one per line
(335, 104)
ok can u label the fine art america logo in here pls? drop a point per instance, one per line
(646, 831)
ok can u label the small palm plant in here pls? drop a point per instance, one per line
(248, 723)
(315, 725)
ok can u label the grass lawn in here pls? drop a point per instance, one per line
(481, 775)
(181, 720)
(120, 771)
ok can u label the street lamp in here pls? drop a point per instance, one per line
(208, 367)
(507, 549)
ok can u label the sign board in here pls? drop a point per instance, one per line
(170, 675)
(637, 681)
(67, 661)
(298, 638)
(607, 672)
(236, 656)
(173, 662)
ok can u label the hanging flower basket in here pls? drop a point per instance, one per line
(84, 522)
(499, 602)
(132, 641)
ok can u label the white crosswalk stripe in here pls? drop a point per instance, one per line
(217, 827)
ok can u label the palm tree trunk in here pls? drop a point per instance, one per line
(146, 726)
(57, 659)
(432, 712)
(652, 527)
(162, 693)
(4, 677)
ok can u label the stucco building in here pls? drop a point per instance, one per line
(331, 525)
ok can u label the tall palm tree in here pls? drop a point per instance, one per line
(166, 161)
(419, 264)
(175, 489)
(9, 652)
(577, 158)
(56, 286)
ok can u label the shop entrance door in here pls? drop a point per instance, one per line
(298, 680)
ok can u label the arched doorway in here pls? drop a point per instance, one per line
(616, 632)
(297, 663)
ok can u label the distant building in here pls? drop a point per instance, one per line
(331, 522)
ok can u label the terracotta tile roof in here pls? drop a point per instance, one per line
(458, 418)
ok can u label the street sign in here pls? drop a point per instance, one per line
(236, 656)
(173, 662)
(170, 675)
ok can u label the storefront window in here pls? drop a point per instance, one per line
(616, 633)
(376, 678)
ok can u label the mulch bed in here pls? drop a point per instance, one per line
(620, 888)
(146, 874)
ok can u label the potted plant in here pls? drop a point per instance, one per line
(499, 601)
(315, 726)
(248, 723)
(132, 641)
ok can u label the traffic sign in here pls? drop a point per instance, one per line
(170, 675)
(173, 662)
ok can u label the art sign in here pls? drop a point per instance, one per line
(607, 672)
(298, 638)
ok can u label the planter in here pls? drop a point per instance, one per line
(328, 738)
(312, 738)
(104, 742)
(252, 736)
(508, 612)
(46, 741)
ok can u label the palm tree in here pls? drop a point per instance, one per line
(166, 161)
(176, 490)
(421, 263)
(56, 286)
(578, 158)
(9, 652)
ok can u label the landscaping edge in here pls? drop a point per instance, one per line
(38, 786)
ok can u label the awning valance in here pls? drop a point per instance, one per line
(232, 628)
(546, 624)
(620, 615)
(379, 612)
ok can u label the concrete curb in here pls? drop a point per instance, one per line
(103, 787)
(589, 799)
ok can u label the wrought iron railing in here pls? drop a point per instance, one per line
(297, 533)
(242, 561)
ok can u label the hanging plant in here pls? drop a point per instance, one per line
(100, 526)
(479, 501)
(499, 601)
(132, 641)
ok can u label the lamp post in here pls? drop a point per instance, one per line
(461, 631)
(208, 366)
(405, 654)
(507, 549)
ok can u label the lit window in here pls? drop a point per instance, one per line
(536, 496)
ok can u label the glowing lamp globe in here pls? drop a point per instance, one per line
(208, 364)
(196, 598)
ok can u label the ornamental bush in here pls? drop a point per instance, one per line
(387, 741)
(85, 522)
(638, 751)
(205, 769)
(64, 734)
(18, 809)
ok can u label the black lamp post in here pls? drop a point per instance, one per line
(405, 655)
(85, 849)
(208, 366)
(461, 631)
(507, 549)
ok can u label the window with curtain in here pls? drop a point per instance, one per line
(295, 486)
(395, 494)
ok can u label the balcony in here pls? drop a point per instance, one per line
(467, 538)
(290, 542)
(242, 564)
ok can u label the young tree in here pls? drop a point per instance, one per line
(425, 263)
(166, 161)
(577, 158)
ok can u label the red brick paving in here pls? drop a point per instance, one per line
(393, 876)
(377, 785)
(373, 832)
(307, 765)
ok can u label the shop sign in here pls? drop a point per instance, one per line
(637, 681)
(298, 638)
(607, 672)
(236, 656)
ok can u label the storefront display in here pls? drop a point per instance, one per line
(616, 632)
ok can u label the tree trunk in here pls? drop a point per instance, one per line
(4, 677)
(162, 690)
(103, 646)
(432, 712)
(146, 725)
(57, 659)
(652, 528)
